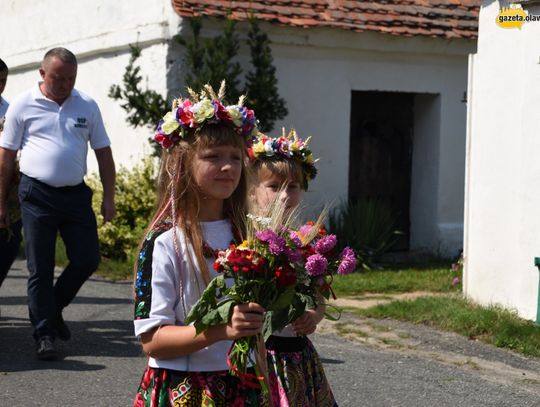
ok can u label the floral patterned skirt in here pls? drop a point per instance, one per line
(164, 387)
(296, 374)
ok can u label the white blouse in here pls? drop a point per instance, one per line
(166, 308)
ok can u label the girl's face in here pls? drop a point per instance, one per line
(217, 171)
(272, 187)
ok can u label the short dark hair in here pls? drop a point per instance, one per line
(63, 54)
(3, 66)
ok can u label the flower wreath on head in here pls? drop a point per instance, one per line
(204, 108)
(289, 147)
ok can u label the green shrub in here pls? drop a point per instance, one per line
(368, 226)
(135, 200)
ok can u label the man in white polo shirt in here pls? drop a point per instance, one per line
(52, 124)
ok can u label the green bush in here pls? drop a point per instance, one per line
(368, 226)
(135, 200)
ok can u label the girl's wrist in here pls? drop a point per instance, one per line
(216, 333)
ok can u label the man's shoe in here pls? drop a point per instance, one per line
(62, 329)
(45, 349)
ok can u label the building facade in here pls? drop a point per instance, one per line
(381, 88)
(502, 199)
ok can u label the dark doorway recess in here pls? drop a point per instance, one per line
(380, 159)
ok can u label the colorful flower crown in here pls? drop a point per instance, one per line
(288, 146)
(204, 108)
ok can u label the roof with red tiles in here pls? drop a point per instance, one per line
(431, 18)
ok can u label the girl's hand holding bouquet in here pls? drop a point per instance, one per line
(246, 320)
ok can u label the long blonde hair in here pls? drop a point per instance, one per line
(179, 198)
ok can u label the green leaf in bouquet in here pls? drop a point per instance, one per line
(267, 329)
(225, 310)
(331, 316)
(297, 308)
(308, 300)
(206, 320)
(213, 317)
(207, 302)
(283, 300)
(275, 321)
(278, 319)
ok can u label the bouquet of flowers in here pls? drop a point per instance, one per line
(281, 269)
(265, 269)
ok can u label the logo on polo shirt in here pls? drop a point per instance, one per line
(81, 123)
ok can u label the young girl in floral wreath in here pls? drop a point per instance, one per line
(201, 208)
(282, 168)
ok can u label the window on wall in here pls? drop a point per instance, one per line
(380, 160)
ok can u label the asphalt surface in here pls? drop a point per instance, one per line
(102, 364)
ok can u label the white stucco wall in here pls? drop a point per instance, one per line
(503, 199)
(425, 171)
(99, 35)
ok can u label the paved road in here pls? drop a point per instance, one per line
(102, 364)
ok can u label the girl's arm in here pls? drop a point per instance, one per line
(170, 341)
(307, 323)
(319, 312)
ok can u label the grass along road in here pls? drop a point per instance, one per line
(432, 296)
(496, 365)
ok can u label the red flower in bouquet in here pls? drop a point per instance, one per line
(285, 275)
(243, 260)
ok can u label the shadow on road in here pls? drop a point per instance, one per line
(100, 338)
(327, 361)
(21, 300)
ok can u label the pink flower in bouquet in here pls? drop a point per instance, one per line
(276, 243)
(305, 230)
(326, 243)
(348, 261)
(316, 264)
(295, 239)
(293, 255)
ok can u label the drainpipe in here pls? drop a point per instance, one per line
(537, 264)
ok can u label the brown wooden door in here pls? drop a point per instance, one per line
(380, 158)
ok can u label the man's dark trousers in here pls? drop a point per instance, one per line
(46, 211)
